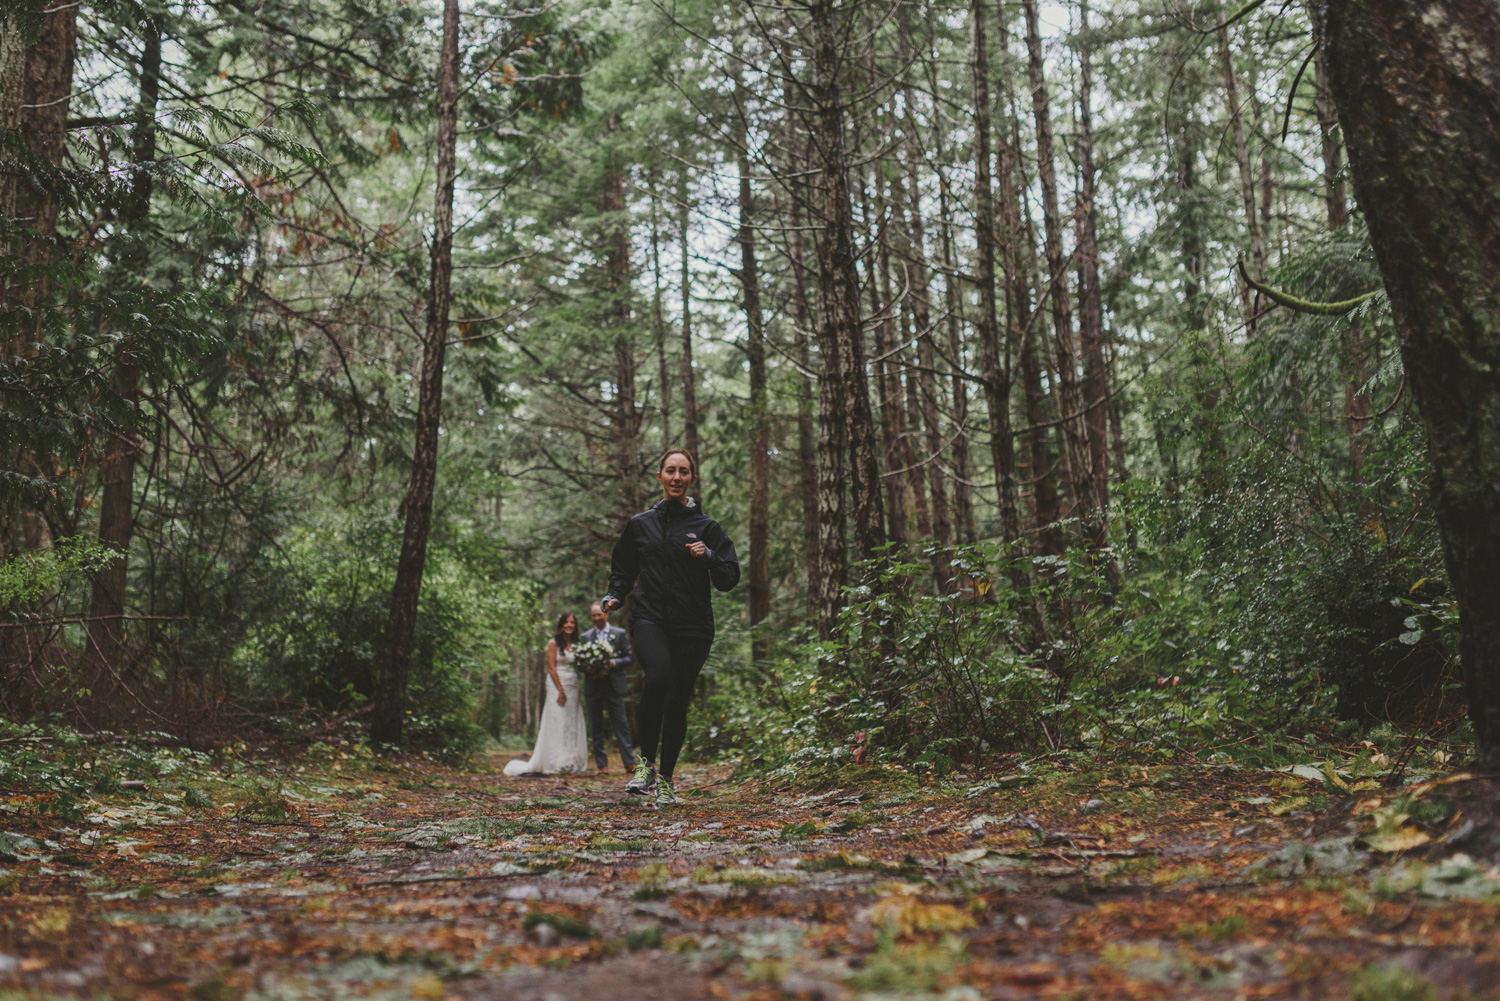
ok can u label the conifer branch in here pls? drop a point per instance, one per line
(1303, 305)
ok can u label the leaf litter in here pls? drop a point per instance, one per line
(339, 876)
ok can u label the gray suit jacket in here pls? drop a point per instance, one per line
(620, 643)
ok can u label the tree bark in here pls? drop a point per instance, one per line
(1336, 199)
(1419, 103)
(838, 291)
(117, 467)
(36, 82)
(926, 420)
(963, 495)
(1090, 296)
(817, 561)
(925, 376)
(41, 116)
(12, 96)
(1242, 161)
(916, 481)
(1070, 397)
(627, 418)
(994, 355)
(887, 378)
(958, 449)
(659, 322)
(760, 427)
(1335, 195)
(390, 692)
(689, 380)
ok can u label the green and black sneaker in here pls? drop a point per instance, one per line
(643, 781)
(665, 794)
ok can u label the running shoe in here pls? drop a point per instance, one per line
(665, 794)
(643, 781)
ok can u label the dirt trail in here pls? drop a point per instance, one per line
(435, 883)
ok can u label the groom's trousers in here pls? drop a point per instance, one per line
(600, 695)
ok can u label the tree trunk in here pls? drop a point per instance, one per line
(1070, 397)
(390, 691)
(816, 559)
(689, 381)
(659, 323)
(1020, 265)
(1419, 104)
(43, 114)
(1090, 296)
(627, 419)
(1334, 193)
(838, 292)
(12, 96)
(916, 482)
(760, 428)
(887, 377)
(1044, 505)
(994, 355)
(1242, 160)
(958, 449)
(36, 82)
(1336, 198)
(963, 495)
(925, 376)
(117, 467)
(924, 391)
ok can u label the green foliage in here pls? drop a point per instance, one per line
(638, 939)
(1242, 642)
(26, 577)
(322, 646)
(561, 923)
(1390, 982)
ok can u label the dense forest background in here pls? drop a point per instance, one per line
(1035, 354)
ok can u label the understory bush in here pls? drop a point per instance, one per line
(1249, 642)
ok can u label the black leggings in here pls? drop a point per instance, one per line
(671, 665)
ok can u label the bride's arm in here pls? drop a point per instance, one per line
(562, 696)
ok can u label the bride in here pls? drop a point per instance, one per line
(561, 740)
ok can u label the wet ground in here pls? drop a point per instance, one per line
(421, 882)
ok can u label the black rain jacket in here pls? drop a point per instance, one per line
(671, 585)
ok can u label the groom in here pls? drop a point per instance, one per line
(609, 690)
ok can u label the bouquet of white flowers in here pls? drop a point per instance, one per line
(593, 659)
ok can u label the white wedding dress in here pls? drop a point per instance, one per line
(562, 739)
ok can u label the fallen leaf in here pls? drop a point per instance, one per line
(428, 988)
(1031, 974)
(1403, 839)
(909, 915)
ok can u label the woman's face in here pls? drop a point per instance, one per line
(676, 476)
(570, 626)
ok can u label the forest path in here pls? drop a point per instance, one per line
(435, 883)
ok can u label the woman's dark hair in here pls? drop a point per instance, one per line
(563, 642)
(692, 462)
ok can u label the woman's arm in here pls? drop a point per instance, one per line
(723, 563)
(562, 696)
(624, 568)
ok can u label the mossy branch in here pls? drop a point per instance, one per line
(1303, 305)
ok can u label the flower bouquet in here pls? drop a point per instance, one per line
(593, 659)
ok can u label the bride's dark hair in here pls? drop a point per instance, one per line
(561, 638)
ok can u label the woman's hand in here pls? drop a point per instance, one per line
(698, 549)
(562, 697)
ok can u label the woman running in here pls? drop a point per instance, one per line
(669, 555)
